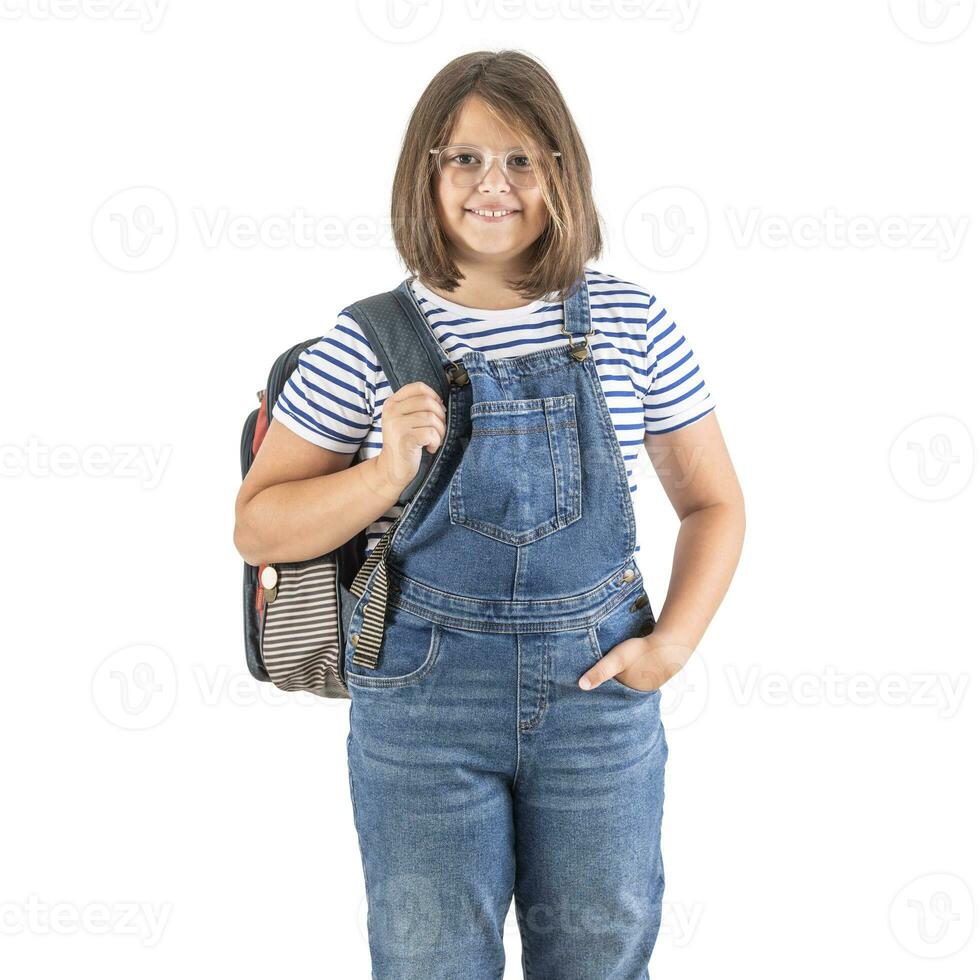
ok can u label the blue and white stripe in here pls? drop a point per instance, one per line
(650, 376)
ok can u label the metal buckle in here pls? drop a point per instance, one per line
(457, 374)
(579, 351)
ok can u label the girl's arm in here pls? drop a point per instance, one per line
(299, 500)
(698, 477)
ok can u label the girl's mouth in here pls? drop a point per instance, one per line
(491, 214)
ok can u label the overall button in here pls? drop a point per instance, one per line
(639, 602)
(627, 576)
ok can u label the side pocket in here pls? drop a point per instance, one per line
(409, 650)
(629, 618)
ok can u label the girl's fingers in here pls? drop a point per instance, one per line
(622, 656)
(608, 666)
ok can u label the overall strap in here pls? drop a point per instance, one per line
(578, 320)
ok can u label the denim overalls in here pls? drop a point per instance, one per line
(479, 770)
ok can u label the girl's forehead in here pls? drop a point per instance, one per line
(478, 128)
(493, 138)
(489, 147)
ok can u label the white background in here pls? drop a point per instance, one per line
(163, 815)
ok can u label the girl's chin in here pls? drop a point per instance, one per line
(492, 249)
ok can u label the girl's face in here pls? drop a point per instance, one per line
(474, 238)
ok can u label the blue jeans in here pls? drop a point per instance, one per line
(479, 770)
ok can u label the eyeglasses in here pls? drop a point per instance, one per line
(466, 165)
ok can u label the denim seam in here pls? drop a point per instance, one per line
(419, 503)
(517, 733)
(522, 366)
(522, 406)
(523, 539)
(531, 723)
(605, 419)
(583, 596)
(477, 625)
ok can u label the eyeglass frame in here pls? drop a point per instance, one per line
(489, 160)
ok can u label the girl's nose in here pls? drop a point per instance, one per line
(498, 182)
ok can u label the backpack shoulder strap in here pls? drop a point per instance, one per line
(408, 350)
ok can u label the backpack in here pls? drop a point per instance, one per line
(297, 613)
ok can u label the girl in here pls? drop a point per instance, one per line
(508, 742)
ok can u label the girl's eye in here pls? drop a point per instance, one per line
(464, 160)
(519, 161)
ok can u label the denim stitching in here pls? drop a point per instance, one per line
(481, 625)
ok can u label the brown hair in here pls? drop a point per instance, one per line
(522, 95)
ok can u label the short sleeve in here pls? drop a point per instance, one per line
(329, 398)
(677, 394)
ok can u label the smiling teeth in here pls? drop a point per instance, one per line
(491, 214)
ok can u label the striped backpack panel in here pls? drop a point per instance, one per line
(301, 635)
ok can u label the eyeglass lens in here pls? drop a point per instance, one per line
(466, 165)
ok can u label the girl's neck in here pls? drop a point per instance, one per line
(483, 288)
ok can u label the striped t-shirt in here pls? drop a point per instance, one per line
(649, 374)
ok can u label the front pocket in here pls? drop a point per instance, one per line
(409, 648)
(625, 621)
(520, 477)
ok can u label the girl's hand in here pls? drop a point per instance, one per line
(412, 417)
(644, 663)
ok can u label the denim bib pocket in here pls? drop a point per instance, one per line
(520, 477)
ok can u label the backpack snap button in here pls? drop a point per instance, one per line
(353, 639)
(269, 583)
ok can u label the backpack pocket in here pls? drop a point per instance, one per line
(300, 628)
